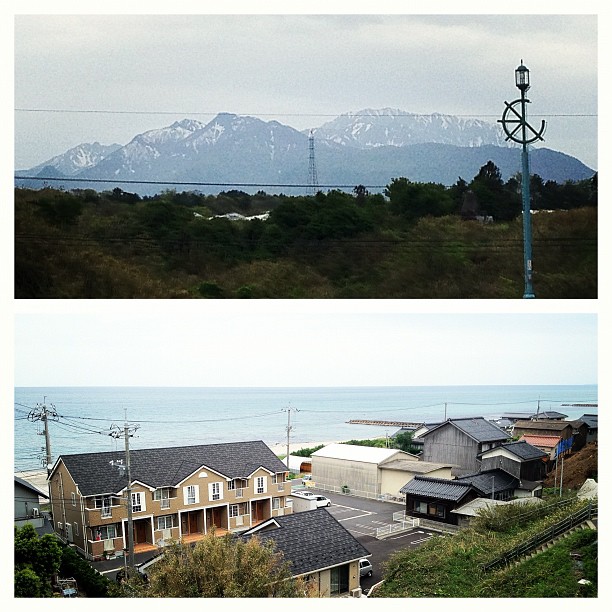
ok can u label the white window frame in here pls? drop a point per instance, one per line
(104, 529)
(231, 485)
(164, 519)
(138, 501)
(260, 485)
(234, 511)
(73, 498)
(215, 491)
(276, 503)
(191, 494)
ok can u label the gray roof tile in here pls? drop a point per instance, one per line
(167, 467)
(522, 449)
(490, 481)
(311, 541)
(477, 428)
(438, 488)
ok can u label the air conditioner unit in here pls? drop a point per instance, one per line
(356, 592)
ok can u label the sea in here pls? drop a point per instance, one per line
(92, 419)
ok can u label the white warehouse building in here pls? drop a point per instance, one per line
(368, 471)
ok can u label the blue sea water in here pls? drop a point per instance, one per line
(177, 416)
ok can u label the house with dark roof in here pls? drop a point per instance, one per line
(318, 549)
(460, 442)
(573, 433)
(436, 499)
(591, 421)
(176, 493)
(521, 459)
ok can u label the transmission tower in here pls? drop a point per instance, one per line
(313, 182)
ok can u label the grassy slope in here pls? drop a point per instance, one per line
(450, 566)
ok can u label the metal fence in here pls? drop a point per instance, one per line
(541, 538)
(403, 525)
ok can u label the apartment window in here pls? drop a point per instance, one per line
(191, 494)
(75, 529)
(231, 485)
(163, 496)
(215, 491)
(138, 502)
(233, 510)
(260, 485)
(106, 532)
(165, 522)
(275, 503)
(73, 498)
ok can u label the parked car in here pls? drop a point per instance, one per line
(304, 494)
(307, 477)
(322, 501)
(365, 568)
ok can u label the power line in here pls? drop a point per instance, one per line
(349, 114)
(190, 183)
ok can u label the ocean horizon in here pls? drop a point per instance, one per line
(85, 418)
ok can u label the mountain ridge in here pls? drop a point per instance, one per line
(369, 147)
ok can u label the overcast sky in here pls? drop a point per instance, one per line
(267, 344)
(301, 69)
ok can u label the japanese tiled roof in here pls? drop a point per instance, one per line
(491, 480)
(166, 467)
(436, 488)
(477, 428)
(311, 541)
(522, 449)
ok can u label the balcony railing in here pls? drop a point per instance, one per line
(239, 492)
(280, 487)
(105, 512)
(165, 503)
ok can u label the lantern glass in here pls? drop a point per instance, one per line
(522, 77)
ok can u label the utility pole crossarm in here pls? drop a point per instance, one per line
(126, 433)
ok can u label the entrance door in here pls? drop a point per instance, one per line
(140, 532)
(193, 522)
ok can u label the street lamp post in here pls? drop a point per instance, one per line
(520, 134)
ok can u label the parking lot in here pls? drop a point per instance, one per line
(361, 517)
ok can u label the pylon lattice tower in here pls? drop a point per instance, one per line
(313, 181)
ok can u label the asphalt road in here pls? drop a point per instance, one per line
(361, 517)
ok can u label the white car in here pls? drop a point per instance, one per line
(304, 494)
(365, 568)
(322, 501)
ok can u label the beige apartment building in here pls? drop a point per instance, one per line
(177, 493)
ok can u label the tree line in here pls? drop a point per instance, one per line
(84, 243)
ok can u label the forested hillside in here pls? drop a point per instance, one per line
(418, 240)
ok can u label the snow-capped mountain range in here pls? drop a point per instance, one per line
(368, 147)
(393, 127)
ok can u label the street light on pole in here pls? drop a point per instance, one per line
(520, 135)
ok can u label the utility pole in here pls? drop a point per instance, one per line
(127, 432)
(289, 428)
(43, 413)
